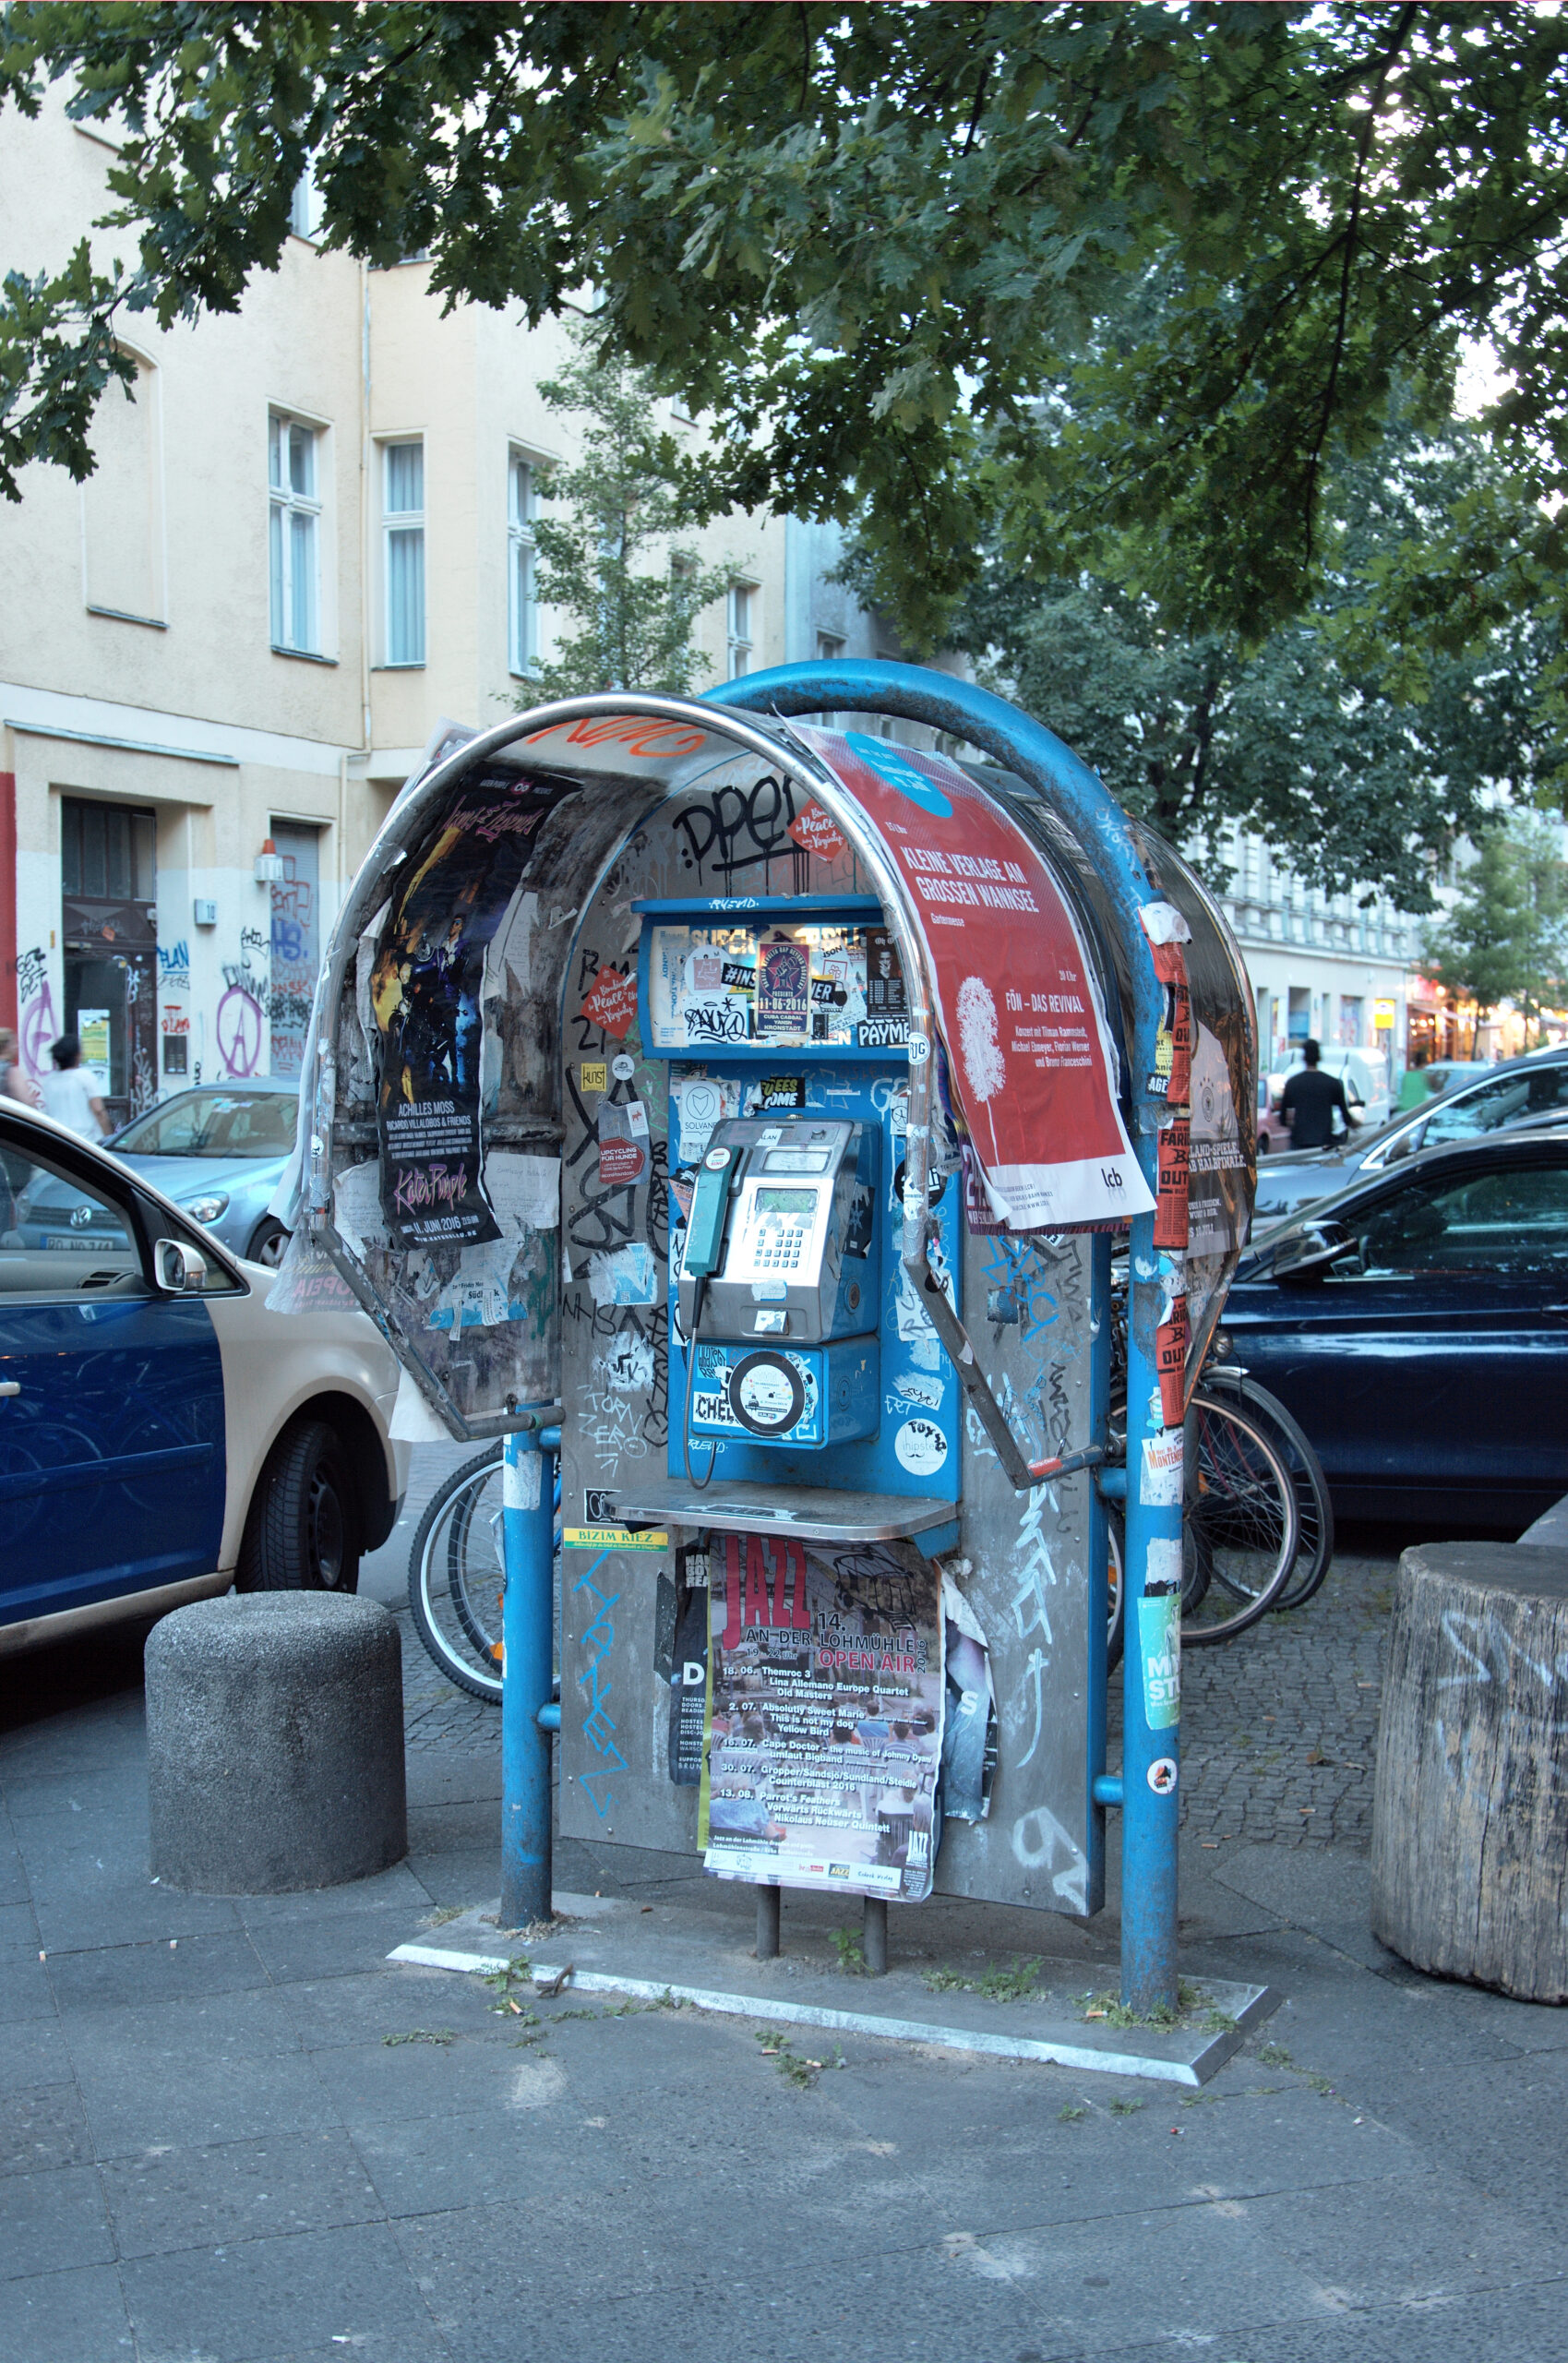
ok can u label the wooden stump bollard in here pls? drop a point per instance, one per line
(1470, 1806)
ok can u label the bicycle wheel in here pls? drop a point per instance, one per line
(1115, 1629)
(456, 1578)
(1314, 1510)
(1241, 1526)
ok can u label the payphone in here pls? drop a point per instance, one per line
(777, 1289)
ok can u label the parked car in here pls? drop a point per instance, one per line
(163, 1433)
(218, 1152)
(1417, 1325)
(1364, 1074)
(1520, 1090)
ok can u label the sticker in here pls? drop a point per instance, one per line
(1159, 1487)
(1162, 1775)
(767, 1394)
(684, 1191)
(520, 1481)
(623, 1066)
(628, 1364)
(623, 1274)
(889, 763)
(1171, 1360)
(769, 1137)
(1159, 1646)
(921, 1448)
(781, 1091)
(701, 1102)
(612, 1004)
(1162, 1563)
(814, 832)
(599, 1507)
(770, 1324)
(783, 978)
(594, 1075)
(636, 1118)
(769, 1291)
(621, 1163)
(611, 1538)
(919, 1049)
(884, 1032)
(1173, 1173)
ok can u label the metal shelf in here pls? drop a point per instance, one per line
(816, 1514)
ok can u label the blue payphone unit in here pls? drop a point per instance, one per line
(799, 1353)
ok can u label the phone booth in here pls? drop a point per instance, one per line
(747, 1113)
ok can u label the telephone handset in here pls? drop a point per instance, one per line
(720, 1171)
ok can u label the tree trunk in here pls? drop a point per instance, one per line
(1470, 1809)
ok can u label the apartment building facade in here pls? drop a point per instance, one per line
(307, 542)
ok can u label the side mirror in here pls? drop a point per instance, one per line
(1312, 1253)
(177, 1270)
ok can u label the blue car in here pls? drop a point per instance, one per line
(220, 1151)
(1417, 1325)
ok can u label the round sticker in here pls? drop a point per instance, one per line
(919, 1049)
(716, 1159)
(623, 1068)
(766, 1394)
(1162, 1775)
(921, 1448)
(890, 763)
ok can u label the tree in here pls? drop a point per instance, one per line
(633, 628)
(900, 257)
(1506, 938)
(1298, 737)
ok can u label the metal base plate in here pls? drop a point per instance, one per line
(689, 1956)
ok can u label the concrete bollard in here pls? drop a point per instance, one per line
(275, 1744)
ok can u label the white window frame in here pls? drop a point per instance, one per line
(304, 206)
(395, 522)
(284, 507)
(741, 630)
(523, 603)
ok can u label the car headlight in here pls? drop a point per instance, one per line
(207, 1208)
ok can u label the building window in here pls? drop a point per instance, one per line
(829, 647)
(403, 511)
(742, 601)
(294, 533)
(522, 508)
(108, 852)
(304, 206)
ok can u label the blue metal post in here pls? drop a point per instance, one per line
(528, 1643)
(1021, 745)
(1150, 1753)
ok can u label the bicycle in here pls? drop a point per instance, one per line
(1242, 1530)
(457, 1576)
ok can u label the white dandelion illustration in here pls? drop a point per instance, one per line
(984, 1065)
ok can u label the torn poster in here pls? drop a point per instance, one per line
(825, 1712)
(969, 1733)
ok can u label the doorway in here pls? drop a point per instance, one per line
(109, 910)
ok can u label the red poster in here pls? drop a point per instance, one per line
(1029, 1052)
(612, 1004)
(814, 832)
(1173, 1183)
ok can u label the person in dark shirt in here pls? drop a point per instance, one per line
(1310, 1101)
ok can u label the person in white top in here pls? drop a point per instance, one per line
(70, 1095)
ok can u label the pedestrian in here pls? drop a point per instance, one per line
(15, 1080)
(70, 1095)
(1311, 1100)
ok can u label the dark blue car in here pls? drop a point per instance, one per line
(1417, 1325)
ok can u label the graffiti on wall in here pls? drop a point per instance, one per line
(37, 1026)
(174, 967)
(292, 985)
(239, 1019)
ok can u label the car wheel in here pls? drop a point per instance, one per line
(268, 1242)
(1262, 1144)
(303, 1533)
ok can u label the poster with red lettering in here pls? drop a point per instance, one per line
(824, 1719)
(1030, 1053)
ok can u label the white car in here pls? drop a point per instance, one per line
(163, 1434)
(1365, 1076)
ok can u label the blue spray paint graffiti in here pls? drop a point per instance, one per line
(598, 1723)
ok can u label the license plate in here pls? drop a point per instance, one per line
(76, 1240)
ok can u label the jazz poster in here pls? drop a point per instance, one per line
(426, 994)
(1030, 1053)
(824, 1716)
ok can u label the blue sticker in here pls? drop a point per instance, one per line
(889, 763)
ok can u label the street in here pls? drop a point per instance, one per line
(236, 2132)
